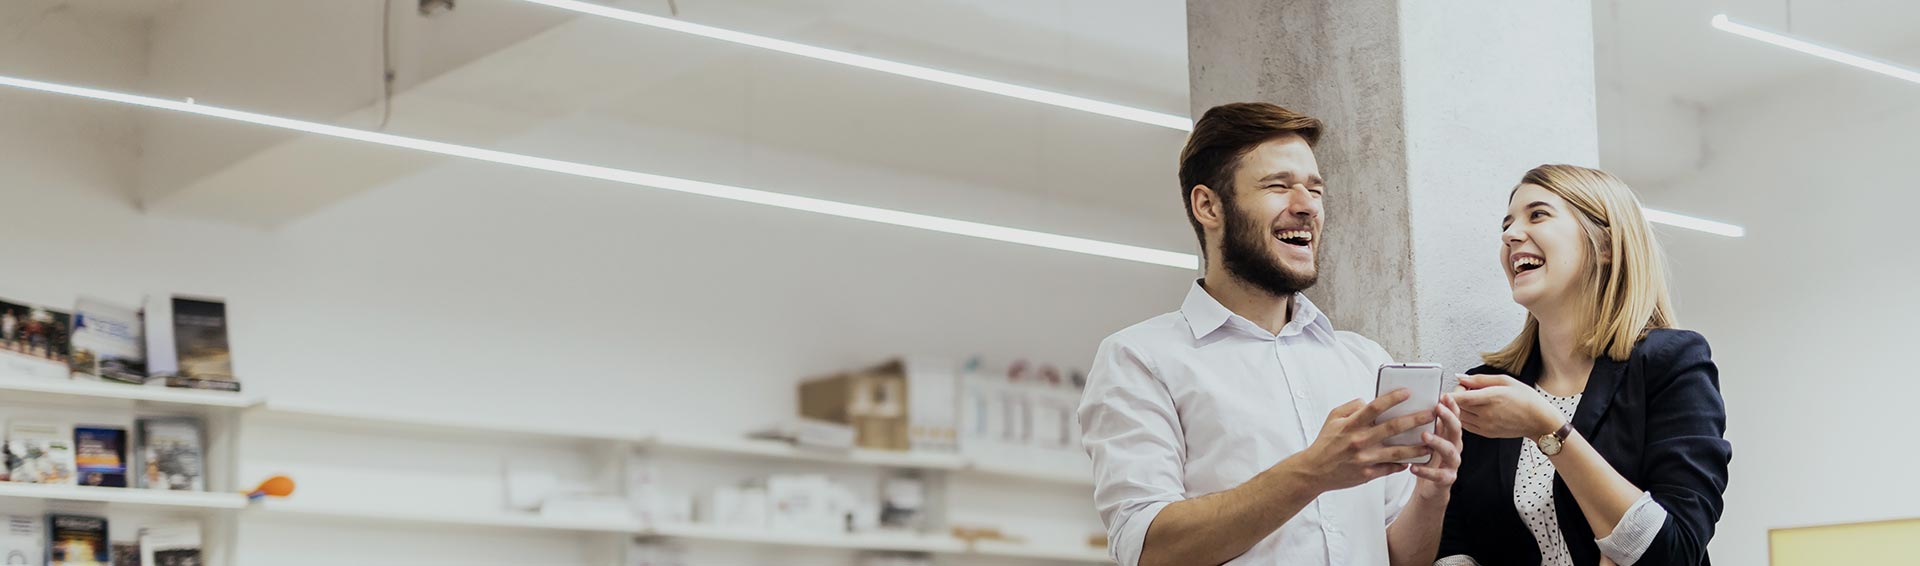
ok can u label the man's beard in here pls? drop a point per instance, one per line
(1245, 253)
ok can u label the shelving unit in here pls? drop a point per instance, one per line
(667, 442)
(121, 496)
(223, 508)
(893, 542)
(26, 390)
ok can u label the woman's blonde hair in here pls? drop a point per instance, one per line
(1626, 284)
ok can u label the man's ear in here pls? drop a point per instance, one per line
(1207, 208)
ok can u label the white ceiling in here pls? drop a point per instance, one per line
(1667, 47)
(1126, 51)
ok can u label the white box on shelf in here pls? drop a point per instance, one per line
(802, 503)
(742, 507)
(933, 404)
(529, 485)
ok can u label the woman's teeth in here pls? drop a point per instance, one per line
(1526, 263)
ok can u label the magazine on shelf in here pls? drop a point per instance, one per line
(172, 545)
(170, 454)
(108, 342)
(203, 358)
(40, 453)
(100, 455)
(77, 540)
(24, 542)
(34, 339)
(126, 554)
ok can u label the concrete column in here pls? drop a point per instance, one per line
(1434, 110)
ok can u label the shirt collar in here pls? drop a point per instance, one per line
(1205, 315)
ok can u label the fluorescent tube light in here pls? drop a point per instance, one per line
(1691, 223)
(769, 198)
(1721, 23)
(882, 65)
(977, 83)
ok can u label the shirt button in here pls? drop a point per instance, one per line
(1300, 394)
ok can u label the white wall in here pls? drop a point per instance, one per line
(478, 291)
(1811, 315)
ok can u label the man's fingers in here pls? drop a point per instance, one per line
(1343, 410)
(1380, 405)
(1384, 470)
(1396, 426)
(1394, 453)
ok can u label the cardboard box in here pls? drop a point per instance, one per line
(872, 401)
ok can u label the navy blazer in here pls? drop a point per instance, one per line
(1657, 418)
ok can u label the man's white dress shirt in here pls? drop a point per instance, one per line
(1200, 400)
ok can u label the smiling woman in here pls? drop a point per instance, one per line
(1604, 442)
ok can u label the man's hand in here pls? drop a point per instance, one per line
(1498, 406)
(1445, 442)
(1351, 450)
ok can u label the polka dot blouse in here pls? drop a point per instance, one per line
(1533, 491)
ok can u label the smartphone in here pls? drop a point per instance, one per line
(1423, 381)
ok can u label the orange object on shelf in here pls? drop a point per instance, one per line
(277, 486)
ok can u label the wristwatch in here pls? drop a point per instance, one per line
(1550, 443)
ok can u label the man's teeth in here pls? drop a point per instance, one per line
(1296, 235)
(1526, 261)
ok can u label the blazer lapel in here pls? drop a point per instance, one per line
(1601, 384)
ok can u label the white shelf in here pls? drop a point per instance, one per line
(710, 444)
(874, 541)
(69, 391)
(188, 500)
(1022, 550)
(785, 451)
(894, 542)
(485, 519)
(1076, 477)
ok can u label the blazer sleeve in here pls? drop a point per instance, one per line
(1686, 452)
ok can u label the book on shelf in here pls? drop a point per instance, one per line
(187, 344)
(34, 340)
(77, 540)
(171, 545)
(40, 453)
(108, 342)
(170, 454)
(126, 554)
(24, 542)
(100, 455)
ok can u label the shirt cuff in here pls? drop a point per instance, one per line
(1131, 538)
(1635, 532)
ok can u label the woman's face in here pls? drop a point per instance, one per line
(1542, 249)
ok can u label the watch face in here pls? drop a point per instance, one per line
(1549, 444)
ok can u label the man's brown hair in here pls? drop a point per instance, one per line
(1225, 134)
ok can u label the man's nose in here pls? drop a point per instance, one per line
(1302, 202)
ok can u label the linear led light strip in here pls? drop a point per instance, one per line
(1721, 23)
(876, 64)
(980, 84)
(821, 206)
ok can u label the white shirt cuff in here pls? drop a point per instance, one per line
(1635, 532)
(1131, 538)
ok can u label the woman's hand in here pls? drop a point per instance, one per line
(1499, 406)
